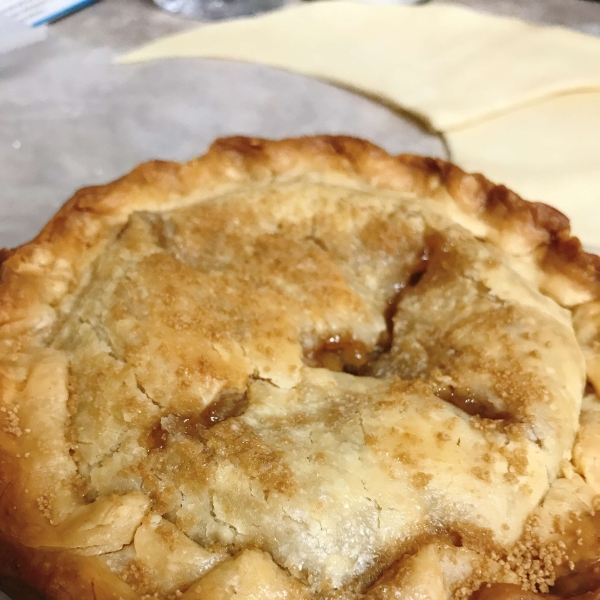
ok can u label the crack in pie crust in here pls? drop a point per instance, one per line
(300, 369)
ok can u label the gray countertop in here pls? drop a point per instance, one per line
(69, 117)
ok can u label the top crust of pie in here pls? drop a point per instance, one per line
(174, 411)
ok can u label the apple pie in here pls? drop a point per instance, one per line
(301, 369)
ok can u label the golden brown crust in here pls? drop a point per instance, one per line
(39, 275)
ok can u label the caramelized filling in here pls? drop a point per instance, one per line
(157, 437)
(229, 403)
(583, 580)
(340, 353)
(471, 404)
(582, 539)
(188, 425)
(345, 353)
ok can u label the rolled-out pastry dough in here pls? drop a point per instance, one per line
(549, 151)
(450, 65)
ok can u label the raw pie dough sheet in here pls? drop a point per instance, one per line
(449, 65)
(462, 72)
(548, 151)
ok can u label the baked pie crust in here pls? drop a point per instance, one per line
(300, 369)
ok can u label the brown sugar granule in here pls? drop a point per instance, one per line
(443, 436)
(483, 474)
(534, 560)
(12, 421)
(44, 503)
(420, 479)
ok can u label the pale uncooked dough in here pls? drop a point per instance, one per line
(448, 64)
(549, 151)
